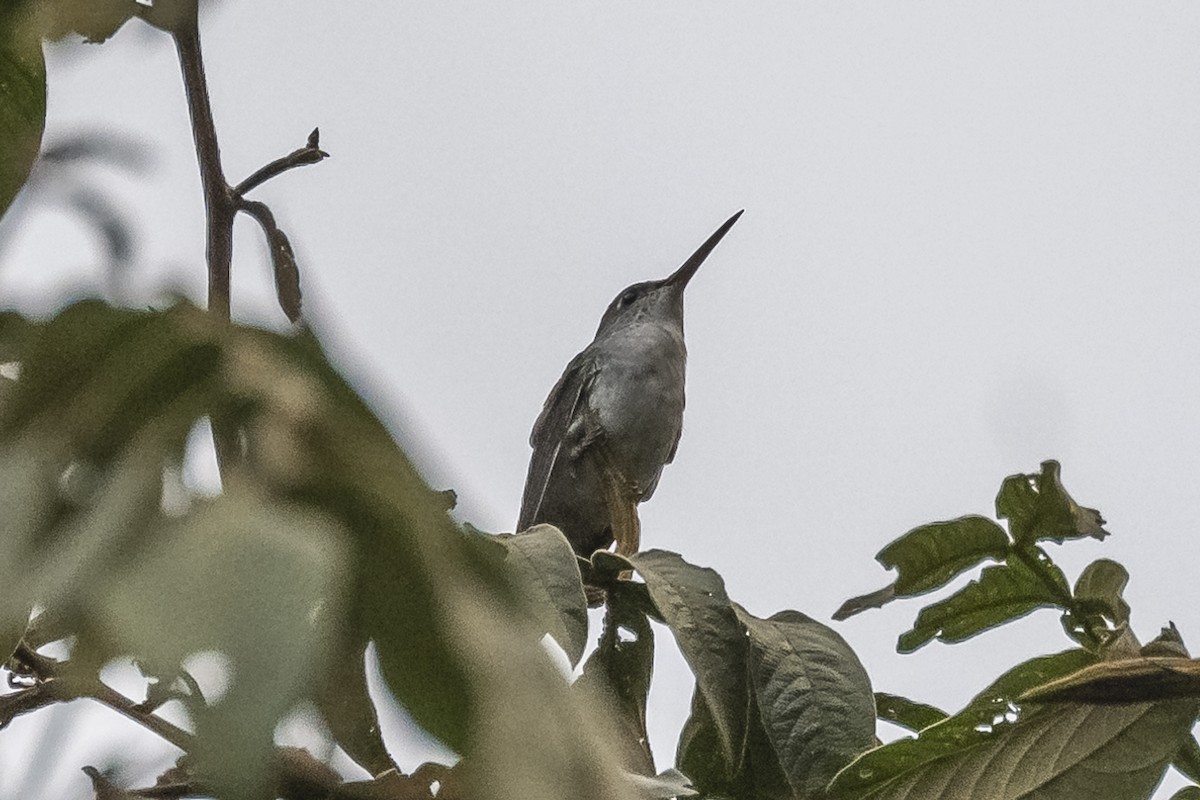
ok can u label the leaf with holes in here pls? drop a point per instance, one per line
(1038, 507)
(1003, 592)
(907, 713)
(974, 726)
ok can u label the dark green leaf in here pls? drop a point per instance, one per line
(930, 556)
(1187, 760)
(102, 533)
(346, 706)
(94, 20)
(64, 355)
(1100, 586)
(906, 713)
(1038, 507)
(1187, 793)
(443, 618)
(1003, 592)
(542, 564)
(605, 566)
(694, 604)
(22, 101)
(28, 473)
(16, 332)
(699, 753)
(813, 696)
(992, 709)
(618, 676)
(856, 605)
(701, 758)
(1128, 680)
(1167, 643)
(1054, 753)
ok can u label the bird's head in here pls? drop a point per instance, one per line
(661, 299)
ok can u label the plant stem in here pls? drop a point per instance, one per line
(58, 685)
(311, 153)
(220, 201)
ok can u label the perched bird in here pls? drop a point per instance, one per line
(613, 419)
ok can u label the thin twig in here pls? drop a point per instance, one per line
(311, 153)
(220, 202)
(31, 699)
(98, 690)
(57, 684)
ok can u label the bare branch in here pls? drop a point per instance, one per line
(311, 153)
(220, 201)
(57, 683)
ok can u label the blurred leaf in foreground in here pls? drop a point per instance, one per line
(22, 98)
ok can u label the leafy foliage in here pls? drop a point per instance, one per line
(287, 562)
(22, 98)
(1105, 718)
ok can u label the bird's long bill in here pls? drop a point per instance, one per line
(681, 276)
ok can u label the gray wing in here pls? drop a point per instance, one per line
(562, 407)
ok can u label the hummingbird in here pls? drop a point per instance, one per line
(613, 420)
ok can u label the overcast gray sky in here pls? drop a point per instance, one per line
(970, 244)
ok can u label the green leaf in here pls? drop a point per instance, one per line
(324, 500)
(113, 521)
(543, 567)
(138, 379)
(64, 355)
(1003, 592)
(95, 20)
(618, 677)
(1100, 586)
(1167, 643)
(694, 604)
(16, 332)
(22, 101)
(759, 775)
(1038, 507)
(813, 696)
(241, 577)
(1061, 753)
(906, 713)
(990, 711)
(28, 472)
(930, 556)
(668, 784)
(346, 705)
(1187, 793)
(1127, 680)
(1187, 760)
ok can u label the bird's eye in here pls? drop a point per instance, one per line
(627, 299)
